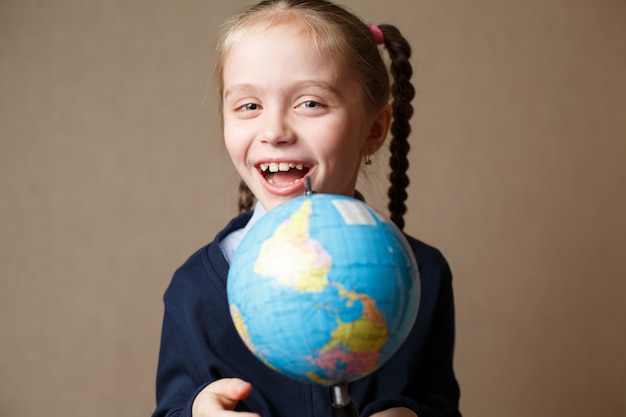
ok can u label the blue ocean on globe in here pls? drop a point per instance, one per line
(323, 289)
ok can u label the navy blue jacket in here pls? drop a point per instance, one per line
(199, 344)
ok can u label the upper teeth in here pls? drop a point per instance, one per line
(280, 166)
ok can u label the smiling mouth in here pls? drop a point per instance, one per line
(283, 173)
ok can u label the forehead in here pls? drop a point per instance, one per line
(288, 45)
(313, 35)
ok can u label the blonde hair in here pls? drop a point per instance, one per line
(339, 33)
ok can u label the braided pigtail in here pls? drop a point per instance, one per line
(402, 92)
(246, 198)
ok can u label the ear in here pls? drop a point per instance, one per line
(378, 130)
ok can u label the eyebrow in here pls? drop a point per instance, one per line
(237, 87)
(298, 85)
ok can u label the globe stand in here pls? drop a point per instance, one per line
(342, 404)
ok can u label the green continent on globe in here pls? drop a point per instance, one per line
(292, 257)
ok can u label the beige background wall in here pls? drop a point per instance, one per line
(112, 173)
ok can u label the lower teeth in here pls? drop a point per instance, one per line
(271, 181)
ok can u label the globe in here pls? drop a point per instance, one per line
(323, 289)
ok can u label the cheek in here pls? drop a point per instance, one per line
(346, 141)
(232, 141)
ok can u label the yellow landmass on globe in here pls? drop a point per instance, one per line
(369, 304)
(241, 327)
(368, 333)
(318, 379)
(361, 335)
(292, 257)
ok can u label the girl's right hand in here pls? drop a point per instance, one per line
(219, 398)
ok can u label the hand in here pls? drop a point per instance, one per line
(219, 398)
(395, 412)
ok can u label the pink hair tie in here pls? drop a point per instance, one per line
(378, 34)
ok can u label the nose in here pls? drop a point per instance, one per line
(276, 128)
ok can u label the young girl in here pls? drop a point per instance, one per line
(304, 92)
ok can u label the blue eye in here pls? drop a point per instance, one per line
(250, 106)
(311, 104)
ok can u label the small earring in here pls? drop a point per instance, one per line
(368, 159)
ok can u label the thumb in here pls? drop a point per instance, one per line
(235, 389)
(223, 394)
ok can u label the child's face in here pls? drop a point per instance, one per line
(289, 111)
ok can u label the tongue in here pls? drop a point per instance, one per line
(286, 177)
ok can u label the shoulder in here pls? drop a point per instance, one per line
(205, 268)
(434, 273)
(188, 279)
(436, 293)
(428, 257)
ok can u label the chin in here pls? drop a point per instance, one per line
(270, 203)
